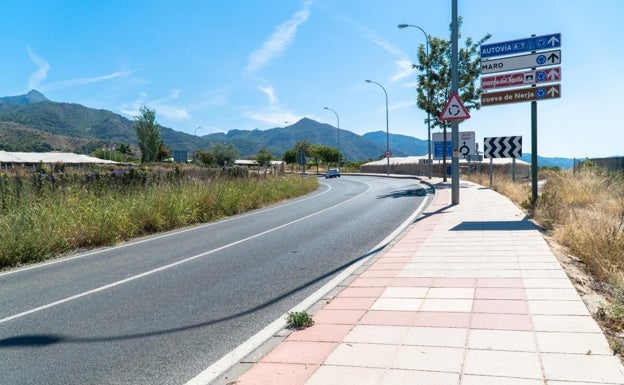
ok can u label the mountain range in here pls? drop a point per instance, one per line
(33, 123)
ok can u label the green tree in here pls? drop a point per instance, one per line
(207, 158)
(224, 154)
(316, 152)
(163, 153)
(264, 158)
(434, 83)
(148, 134)
(290, 157)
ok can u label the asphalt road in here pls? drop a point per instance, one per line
(161, 309)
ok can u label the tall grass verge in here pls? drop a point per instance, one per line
(46, 214)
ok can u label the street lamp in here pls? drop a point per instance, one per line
(338, 119)
(387, 130)
(430, 166)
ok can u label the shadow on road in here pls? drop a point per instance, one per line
(41, 340)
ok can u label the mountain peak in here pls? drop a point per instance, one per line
(33, 96)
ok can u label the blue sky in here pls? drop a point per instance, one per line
(210, 66)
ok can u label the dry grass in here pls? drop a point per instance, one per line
(585, 213)
(582, 211)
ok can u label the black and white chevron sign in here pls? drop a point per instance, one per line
(503, 147)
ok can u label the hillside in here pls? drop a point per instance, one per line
(32, 122)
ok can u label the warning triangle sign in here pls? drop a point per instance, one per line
(454, 109)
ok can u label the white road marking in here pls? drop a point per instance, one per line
(241, 351)
(169, 266)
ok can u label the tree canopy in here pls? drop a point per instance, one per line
(148, 134)
(434, 83)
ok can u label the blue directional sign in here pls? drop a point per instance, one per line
(535, 43)
(438, 149)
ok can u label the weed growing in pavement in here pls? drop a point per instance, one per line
(299, 320)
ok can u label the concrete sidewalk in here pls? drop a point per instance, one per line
(469, 295)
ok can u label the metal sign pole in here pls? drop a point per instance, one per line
(534, 153)
(454, 123)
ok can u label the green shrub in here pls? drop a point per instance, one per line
(299, 320)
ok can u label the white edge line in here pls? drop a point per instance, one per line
(165, 267)
(149, 238)
(242, 350)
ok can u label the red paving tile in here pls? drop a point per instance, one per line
(321, 332)
(386, 266)
(351, 303)
(277, 374)
(380, 273)
(340, 317)
(366, 292)
(499, 293)
(300, 352)
(442, 319)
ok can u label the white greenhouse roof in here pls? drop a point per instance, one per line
(49, 157)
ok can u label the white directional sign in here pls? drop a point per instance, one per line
(534, 43)
(512, 63)
(503, 147)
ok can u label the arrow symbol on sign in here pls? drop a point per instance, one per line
(552, 74)
(553, 41)
(552, 92)
(553, 58)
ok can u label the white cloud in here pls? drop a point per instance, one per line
(42, 70)
(83, 81)
(279, 41)
(163, 107)
(405, 70)
(275, 117)
(403, 63)
(269, 91)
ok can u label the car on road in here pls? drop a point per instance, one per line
(332, 173)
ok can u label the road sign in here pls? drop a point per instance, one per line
(388, 154)
(503, 147)
(512, 63)
(438, 148)
(525, 78)
(528, 44)
(467, 145)
(454, 109)
(529, 94)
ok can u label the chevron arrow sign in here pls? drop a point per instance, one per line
(503, 147)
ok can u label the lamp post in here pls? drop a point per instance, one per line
(430, 164)
(387, 129)
(338, 119)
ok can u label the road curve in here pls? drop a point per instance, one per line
(160, 309)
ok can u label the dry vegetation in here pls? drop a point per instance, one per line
(51, 211)
(583, 212)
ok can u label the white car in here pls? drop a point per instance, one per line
(332, 173)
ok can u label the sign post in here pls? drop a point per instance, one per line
(497, 60)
